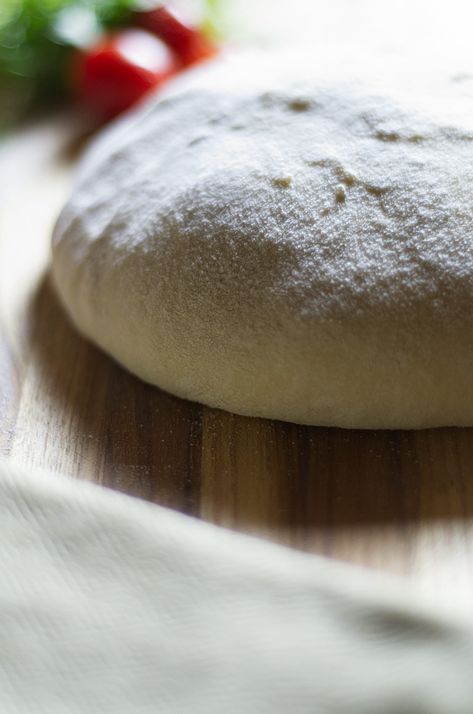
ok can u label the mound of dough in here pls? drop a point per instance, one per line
(286, 238)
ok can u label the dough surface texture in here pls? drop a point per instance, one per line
(285, 236)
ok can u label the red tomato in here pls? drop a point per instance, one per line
(120, 69)
(188, 42)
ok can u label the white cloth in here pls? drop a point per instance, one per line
(112, 605)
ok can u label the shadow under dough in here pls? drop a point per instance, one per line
(140, 440)
(126, 434)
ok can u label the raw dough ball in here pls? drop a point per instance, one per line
(287, 237)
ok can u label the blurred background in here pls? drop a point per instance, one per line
(44, 43)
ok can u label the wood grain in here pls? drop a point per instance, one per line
(396, 501)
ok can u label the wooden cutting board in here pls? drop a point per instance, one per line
(393, 500)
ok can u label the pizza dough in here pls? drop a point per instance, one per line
(285, 236)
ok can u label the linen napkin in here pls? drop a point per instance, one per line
(112, 605)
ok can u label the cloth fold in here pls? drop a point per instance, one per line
(109, 604)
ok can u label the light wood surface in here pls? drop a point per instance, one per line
(396, 501)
